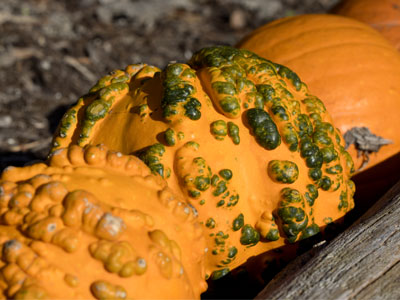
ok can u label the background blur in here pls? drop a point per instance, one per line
(53, 51)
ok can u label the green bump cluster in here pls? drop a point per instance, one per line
(249, 236)
(143, 110)
(264, 67)
(221, 189)
(192, 144)
(180, 135)
(264, 129)
(267, 227)
(348, 160)
(210, 223)
(114, 77)
(272, 235)
(318, 149)
(311, 194)
(289, 74)
(283, 171)
(280, 103)
(238, 222)
(231, 80)
(226, 88)
(151, 156)
(303, 125)
(309, 231)
(233, 132)
(329, 154)
(232, 251)
(226, 174)
(219, 129)
(320, 145)
(314, 106)
(279, 111)
(199, 180)
(311, 153)
(178, 93)
(220, 239)
(197, 177)
(265, 94)
(289, 136)
(343, 204)
(99, 108)
(292, 214)
(67, 121)
(170, 137)
(219, 273)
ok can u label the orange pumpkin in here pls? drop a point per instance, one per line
(240, 136)
(351, 67)
(383, 15)
(96, 223)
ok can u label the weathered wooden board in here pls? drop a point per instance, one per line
(363, 262)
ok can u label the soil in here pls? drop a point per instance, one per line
(51, 52)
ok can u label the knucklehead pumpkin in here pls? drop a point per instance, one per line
(96, 223)
(241, 137)
(349, 65)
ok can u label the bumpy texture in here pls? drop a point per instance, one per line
(96, 223)
(351, 67)
(240, 136)
(383, 15)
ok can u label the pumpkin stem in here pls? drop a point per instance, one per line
(365, 142)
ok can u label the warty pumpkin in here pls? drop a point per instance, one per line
(349, 65)
(96, 223)
(240, 136)
(383, 15)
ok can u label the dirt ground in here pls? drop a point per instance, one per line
(51, 52)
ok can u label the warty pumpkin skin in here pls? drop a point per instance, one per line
(96, 223)
(383, 15)
(349, 65)
(240, 136)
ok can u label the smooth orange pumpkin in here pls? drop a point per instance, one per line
(349, 65)
(240, 136)
(383, 15)
(96, 223)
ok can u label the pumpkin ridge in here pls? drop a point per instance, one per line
(283, 22)
(80, 110)
(314, 31)
(332, 46)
